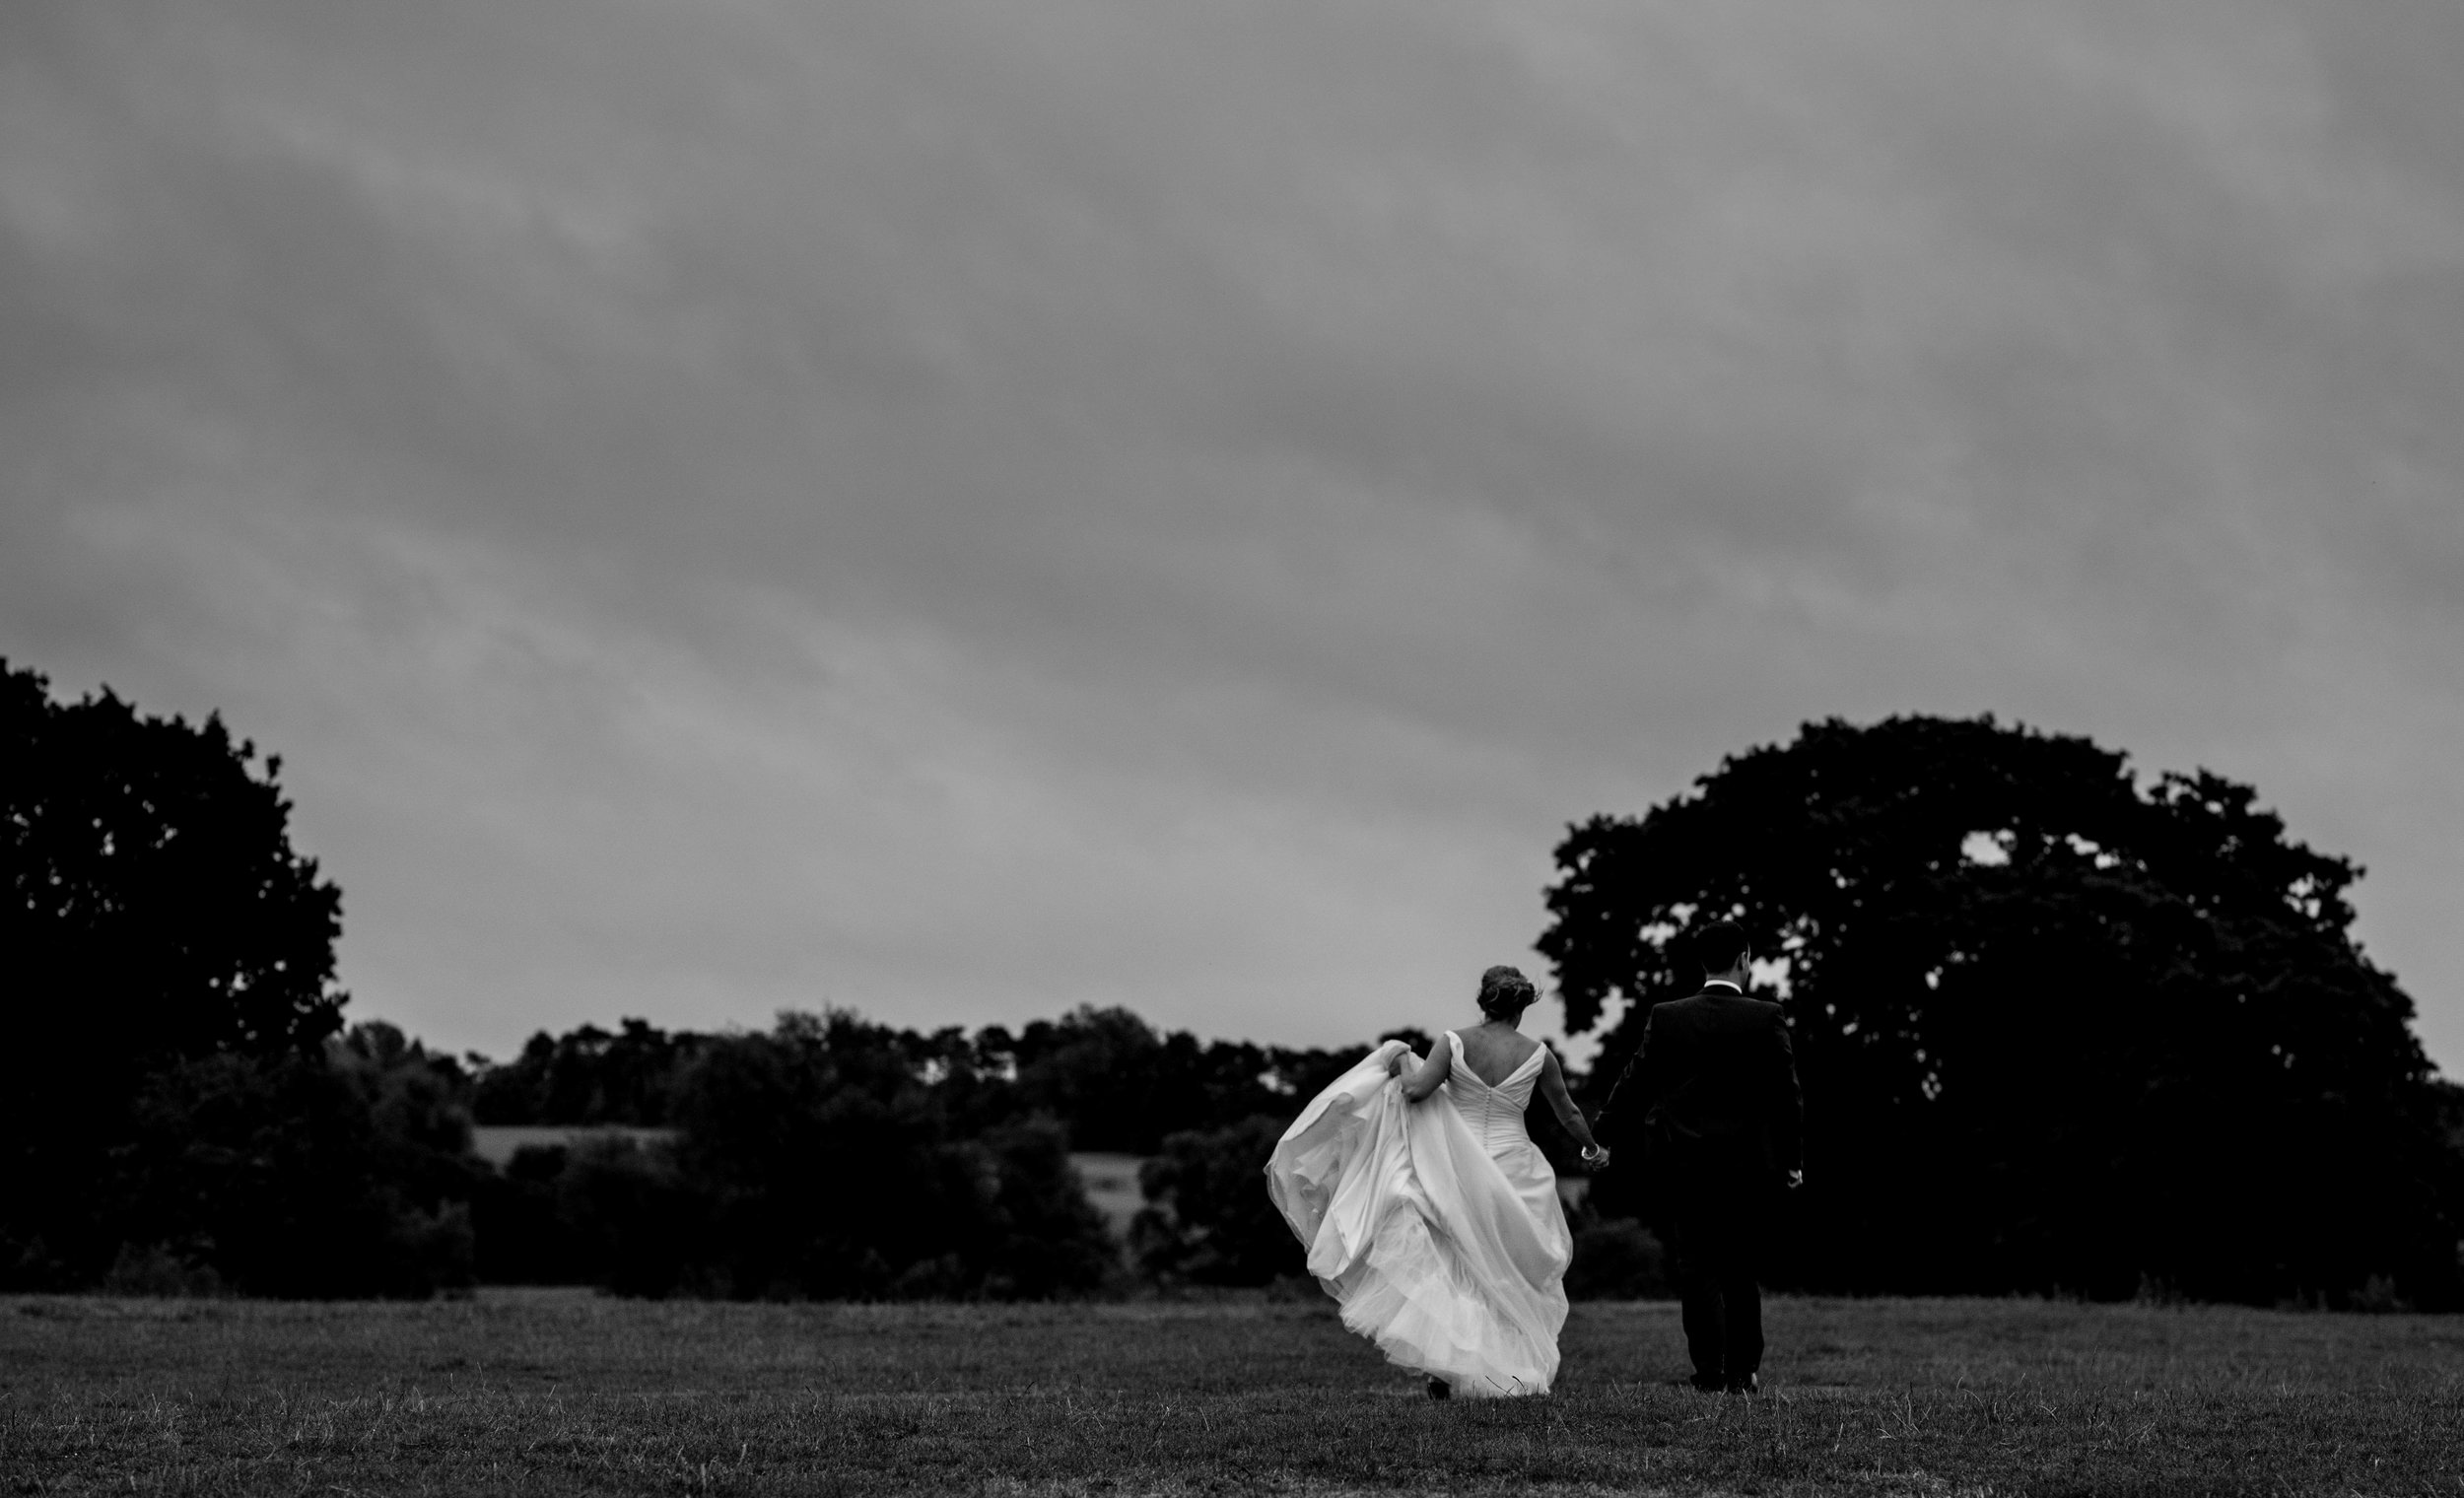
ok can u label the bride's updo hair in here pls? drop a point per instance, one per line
(1505, 992)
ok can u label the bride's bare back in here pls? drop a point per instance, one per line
(1495, 1052)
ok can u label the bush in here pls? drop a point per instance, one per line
(158, 1269)
(821, 1163)
(1208, 1219)
(523, 1239)
(318, 1177)
(1048, 1240)
(609, 1212)
(639, 1223)
(1616, 1259)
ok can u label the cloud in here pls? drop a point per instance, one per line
(953, 509)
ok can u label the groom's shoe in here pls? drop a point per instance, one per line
(1750, 1384)
(1709, 1383)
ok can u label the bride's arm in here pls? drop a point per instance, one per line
(1552, 1086)
(1419, 1083)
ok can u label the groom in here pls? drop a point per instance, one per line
(1715, 1083)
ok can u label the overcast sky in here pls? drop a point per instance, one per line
(964, 510)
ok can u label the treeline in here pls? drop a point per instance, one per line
(2059, 1030)
(1115, 1082)
(833, 1157)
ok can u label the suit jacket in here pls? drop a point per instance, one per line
(1715, 1085)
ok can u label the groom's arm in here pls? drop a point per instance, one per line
(1633, 1086)
(1788, 1100)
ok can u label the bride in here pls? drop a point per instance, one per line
(1437, 1228)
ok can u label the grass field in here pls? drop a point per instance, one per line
(564, 1392)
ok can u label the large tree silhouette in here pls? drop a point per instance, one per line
(156, 912)
(2058, 1030)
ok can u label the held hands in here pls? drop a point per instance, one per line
(1596, 1157)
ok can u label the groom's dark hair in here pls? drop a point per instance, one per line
(1720, 945)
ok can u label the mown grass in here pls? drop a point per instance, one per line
(564, 1392)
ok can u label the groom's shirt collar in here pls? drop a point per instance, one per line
(1721, 983)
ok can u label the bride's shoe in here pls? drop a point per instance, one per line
(1439, 1388)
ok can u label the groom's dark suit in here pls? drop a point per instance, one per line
(1715, 1084)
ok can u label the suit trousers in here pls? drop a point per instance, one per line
(1717, 1224)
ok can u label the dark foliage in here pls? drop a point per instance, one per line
(587, 1076)
(611, 1211)
(1113, 1081)
(156, 912)
(1208, 1219)
(644, 1226)
(2057, 1031)
(835, 1158)
(151, 878)
(1616, 1259)
(342, 1175)
(172, 989)
(1121, 1086)
(824, 1160)
(525, 1234)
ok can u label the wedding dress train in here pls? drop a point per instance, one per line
(1434, 1225)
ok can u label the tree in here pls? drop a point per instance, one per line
(1120, 1085)
(157, 911)
(1117, 1084)
(1208, 1218)
(587, 1076)
(2058, 1029)
(832, 1169)
(341, 1174)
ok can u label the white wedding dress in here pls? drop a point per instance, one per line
(1435, 1224)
